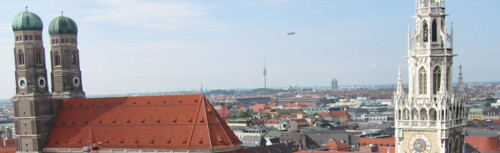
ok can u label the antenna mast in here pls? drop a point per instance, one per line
(265, 73)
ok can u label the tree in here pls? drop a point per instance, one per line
(490, 99)
(229, 107)
(245, 114)
(285, 113)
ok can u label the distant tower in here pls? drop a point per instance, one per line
(32, 103)
(265, 73)
(430, 118)
(66, 74)
(335, 84)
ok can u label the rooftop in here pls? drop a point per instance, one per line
(151, 122)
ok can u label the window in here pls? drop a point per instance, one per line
(21, 57)
(425, 31)
(31, 37)
(62, 40)
(434, 31)
(17, 38)
(25, 37)
(73, 58)
(437, 80)
(57, 41)
(57, 59)
(423, 81)
(38, 58)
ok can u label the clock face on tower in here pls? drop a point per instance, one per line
(41, 82)
(21, 82)
(76, 81)
(420, 143)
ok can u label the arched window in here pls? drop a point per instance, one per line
(437, 80)
(38, 58)
(414, 114)
(21, 57)
(433, 114)
(406, 114)
(423, 114)
(425, 31)
(57, 59)
(73, 58)
(422, 81)
(434, 31)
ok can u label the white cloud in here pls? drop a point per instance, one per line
(156, 15)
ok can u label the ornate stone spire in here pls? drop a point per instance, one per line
(399, 86)
(460, 88)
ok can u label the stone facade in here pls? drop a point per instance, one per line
(35, 107)
(32, 103)
(431, 117)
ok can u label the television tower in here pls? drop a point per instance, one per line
(265, 73)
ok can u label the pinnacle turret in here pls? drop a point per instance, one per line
(460, 88)
(399, 86)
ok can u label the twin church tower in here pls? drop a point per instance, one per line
(35, 106)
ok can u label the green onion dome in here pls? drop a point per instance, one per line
(63, 25)
(27, 21)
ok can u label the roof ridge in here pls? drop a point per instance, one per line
(194, 125)
(220, 124)
(204, 100)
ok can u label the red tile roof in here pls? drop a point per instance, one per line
(272, 121)
(333, 114)
(377, 141)
(306, 104)
(272, 104)
(267, 111)
(258, 107)
(302, 122)
(484, 144)
(337, 146)
(156, 122)
(224, 111)
(384, 149)
(10, 146)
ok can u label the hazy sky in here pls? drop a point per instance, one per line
(147, 46)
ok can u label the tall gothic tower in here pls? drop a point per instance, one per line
(66, 75)
(430, 118)
(32, 103)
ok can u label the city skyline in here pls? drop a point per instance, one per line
(131, 46)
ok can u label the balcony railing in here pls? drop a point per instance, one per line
(426, 124)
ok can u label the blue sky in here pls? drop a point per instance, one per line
(149, 46)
